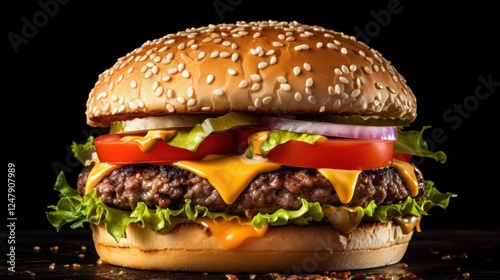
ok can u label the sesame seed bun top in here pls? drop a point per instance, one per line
(266, 67)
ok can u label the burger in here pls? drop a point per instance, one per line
(262, 146)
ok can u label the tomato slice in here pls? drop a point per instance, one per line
(403, 157)
(350, 154)
(111, 149)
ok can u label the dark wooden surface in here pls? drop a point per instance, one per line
(432, 254)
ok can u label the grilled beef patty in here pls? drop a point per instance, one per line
(168, 186)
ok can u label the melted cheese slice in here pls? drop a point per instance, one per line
(343, 181)
(229, 175)
(232, 233)
(98, 172)
(148, 142)
(407, 171)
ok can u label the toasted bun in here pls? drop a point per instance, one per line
(263, 67)
(297, 249)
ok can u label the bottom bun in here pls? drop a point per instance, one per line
(285, 249)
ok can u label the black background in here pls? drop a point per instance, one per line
(443, 51)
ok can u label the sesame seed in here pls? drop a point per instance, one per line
(353, 67)
(262, 65)
(224, 54)
(170, 108)
(343, 50)
(206, 108)
(243, 84)
(214, 54)
(255, 77)
(210, 78)
(301, 47)
(159, 91)
(337, 89)
(267, 100)
(345, 69)
(309, 82)
(307, 66)
(190, 92)
(170, 93)
(285, 87)
(344, 80)
(172, 70)
(277, 44)
(296, 70)
(355, 93)
(181, 46)
(256, 87)
(191, 102)
(338, 71)
(181, 67)
(311, 99)
(218, 92)
(308, 91)
(273, 60)
(165, 78)
(257, 103)
(201, 55)
(332, 46)
(281, 79)
(181, 99)
(101, 95)
(133, 84)
(234, 57)
(186, 74)
(297, 96)
(231, 72)
(367, 70)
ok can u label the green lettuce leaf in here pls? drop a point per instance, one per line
(190, 139)
(83, 152)
(411, 142)
(277, 137)
(74, 210)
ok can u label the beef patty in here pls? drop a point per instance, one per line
(169, 186)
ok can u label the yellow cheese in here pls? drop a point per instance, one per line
(148, 142)
(229, 175)
(343, 181)
(98, 172)
(407, 171)
(344, 219)
(232, 233)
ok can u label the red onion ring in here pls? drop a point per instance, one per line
(332, 129)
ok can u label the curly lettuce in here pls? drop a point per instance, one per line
(75, 210)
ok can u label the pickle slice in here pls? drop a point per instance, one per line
(157, 122)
